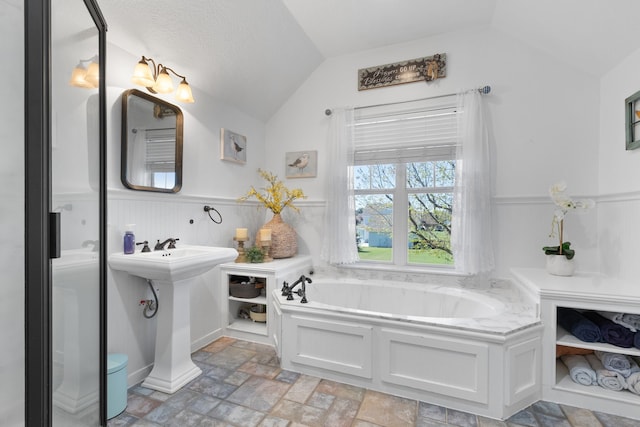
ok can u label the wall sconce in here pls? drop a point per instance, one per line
(159, 81)
(86, 76)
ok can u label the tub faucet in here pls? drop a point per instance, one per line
(160, 246)
(302, 292)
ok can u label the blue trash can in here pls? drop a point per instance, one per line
(116, 384)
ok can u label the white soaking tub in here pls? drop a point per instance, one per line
(472, 350)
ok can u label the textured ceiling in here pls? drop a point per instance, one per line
(250, 54)
(253, 54)
(339, 27)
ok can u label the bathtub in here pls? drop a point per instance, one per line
(472, 350)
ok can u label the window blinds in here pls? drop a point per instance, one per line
(160, 150)
(406, 132)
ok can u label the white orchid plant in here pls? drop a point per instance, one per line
(564, 204)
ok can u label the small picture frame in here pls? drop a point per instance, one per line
(301, 164)
(233, 146)
(632, 121)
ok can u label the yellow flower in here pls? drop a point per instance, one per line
(276, 196)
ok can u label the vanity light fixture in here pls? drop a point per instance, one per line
(86, 76)
(156, 79)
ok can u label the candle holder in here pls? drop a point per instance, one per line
(266, 246)
(241, 253)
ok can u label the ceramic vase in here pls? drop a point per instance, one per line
(284, 239)
(559, 265)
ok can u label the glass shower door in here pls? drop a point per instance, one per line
(75, 196)
(12, 202)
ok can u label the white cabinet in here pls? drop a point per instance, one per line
(270, 275)
(582, 292)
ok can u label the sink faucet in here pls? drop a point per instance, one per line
(93, 243)
(160, 246)
(302, 292)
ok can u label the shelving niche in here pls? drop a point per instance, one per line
(581, 292)
(270, 275)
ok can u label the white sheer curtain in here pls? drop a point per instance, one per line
(339, 245)
(137, 166)
(471, 231)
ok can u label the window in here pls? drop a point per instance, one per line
(161, 157)
(404, 175)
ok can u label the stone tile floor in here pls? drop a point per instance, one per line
(242, 385)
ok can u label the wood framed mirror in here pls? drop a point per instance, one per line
(151, 156)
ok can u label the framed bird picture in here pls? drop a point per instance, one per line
(233, 146)
(301, 164)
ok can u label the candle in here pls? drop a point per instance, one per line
(241, 233)
(265, 234)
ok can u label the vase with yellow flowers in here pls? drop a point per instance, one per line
(276, 197)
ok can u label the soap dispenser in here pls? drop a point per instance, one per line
(129, 240)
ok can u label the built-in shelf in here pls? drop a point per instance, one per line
(583, 291)
(565, 338)
(249, 326)
(565, 383)
(257, 300)
(268, 274)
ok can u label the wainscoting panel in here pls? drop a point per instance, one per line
(337, 346)
(435, 363)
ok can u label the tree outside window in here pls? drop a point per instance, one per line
(426, 188)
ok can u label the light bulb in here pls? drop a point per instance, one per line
(78, 77)
(93, 74)
(164, 84)
(142, 75)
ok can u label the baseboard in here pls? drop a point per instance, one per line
(139, 375)
(206, 340)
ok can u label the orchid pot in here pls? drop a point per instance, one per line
(559, 260)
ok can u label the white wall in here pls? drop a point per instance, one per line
(543, 116)
(619, 186)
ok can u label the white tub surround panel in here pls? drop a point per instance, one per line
(465, 364)
(332, 345)
(429, 362)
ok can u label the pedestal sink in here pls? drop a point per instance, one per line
(172, 271)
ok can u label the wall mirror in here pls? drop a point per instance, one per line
(151, 143)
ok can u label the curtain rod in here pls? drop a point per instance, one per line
(483, 91)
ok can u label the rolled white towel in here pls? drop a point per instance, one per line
(617, 362)
(610, 380)
(633, 383)
(632, 319)
(619, 318)
(579, 369)
(633, 380)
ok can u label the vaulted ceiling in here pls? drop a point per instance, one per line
(253, 54)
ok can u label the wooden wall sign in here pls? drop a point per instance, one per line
(420, 69)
